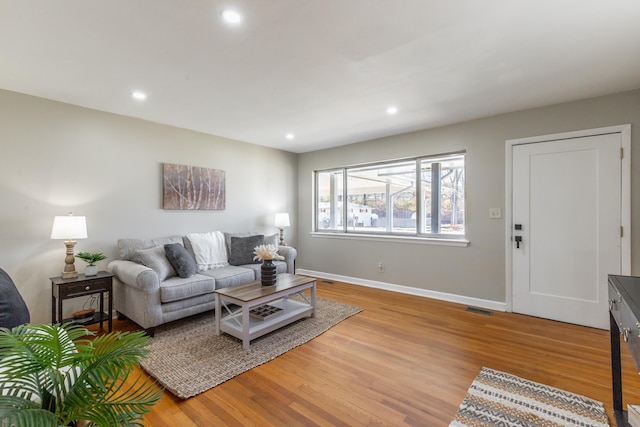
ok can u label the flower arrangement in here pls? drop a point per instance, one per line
(266, 252)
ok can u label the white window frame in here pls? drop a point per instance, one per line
(417, 236)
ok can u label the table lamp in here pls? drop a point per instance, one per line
(69, 228)
(282, 220)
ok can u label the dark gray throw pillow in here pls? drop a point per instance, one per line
(13, 310)
(241, 249)
(181, 260)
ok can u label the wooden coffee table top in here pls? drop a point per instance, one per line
(255, 290)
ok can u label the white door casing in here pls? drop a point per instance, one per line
(570, 194)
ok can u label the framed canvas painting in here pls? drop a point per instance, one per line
(192, 188)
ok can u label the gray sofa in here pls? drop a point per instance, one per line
(149, 289)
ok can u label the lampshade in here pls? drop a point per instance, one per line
(282, 220)
(69, 227)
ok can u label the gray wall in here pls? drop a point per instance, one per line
(57, 158)
(476, 271)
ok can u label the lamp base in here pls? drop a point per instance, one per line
(69, 274)
(282, 243)
(69, 271)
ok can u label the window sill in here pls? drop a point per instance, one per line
(386, 238)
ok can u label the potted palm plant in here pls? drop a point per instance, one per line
(54, 375)
(91, 259)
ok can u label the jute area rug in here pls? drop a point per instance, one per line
(499, 399)
(187, 358)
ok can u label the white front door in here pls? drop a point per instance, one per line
(566, 212)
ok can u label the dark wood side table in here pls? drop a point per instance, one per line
(62, 289)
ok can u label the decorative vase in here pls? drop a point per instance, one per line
(90, 270)
(268, 274)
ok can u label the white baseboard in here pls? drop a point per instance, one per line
(459, 299)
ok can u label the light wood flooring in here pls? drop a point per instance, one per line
(404, 360)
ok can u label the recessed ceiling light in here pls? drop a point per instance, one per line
(290, 136)
(231, 16)
(392, 110)
(140, 96)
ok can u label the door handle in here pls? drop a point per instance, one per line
(518, 240)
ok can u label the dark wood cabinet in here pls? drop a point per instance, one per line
(62, 289)
(624, 318)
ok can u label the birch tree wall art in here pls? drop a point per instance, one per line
(193, 188)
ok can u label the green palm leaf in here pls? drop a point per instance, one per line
(54, 372)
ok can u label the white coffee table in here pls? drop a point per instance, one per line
(242, 325)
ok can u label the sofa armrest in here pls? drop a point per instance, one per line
(134, 274)
(289, 253)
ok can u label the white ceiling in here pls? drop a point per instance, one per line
(325, 70)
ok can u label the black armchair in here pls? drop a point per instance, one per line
(13, 310)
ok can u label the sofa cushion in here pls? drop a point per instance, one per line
(128, 247)
(272, 239)
(156, 259)
(178, 288)
(230, 276)
(181, 260)
(180, 309)
(228, 236)
(241, 249)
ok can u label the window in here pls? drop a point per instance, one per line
(329, 200)
(443, 195)
(421, 197)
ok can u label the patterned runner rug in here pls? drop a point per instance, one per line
(499, 399)
(187, 358)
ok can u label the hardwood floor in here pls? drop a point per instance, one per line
(403, 360)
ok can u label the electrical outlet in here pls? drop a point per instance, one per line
(495, 213)
(381, 267)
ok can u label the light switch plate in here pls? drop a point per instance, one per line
(495, 213)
